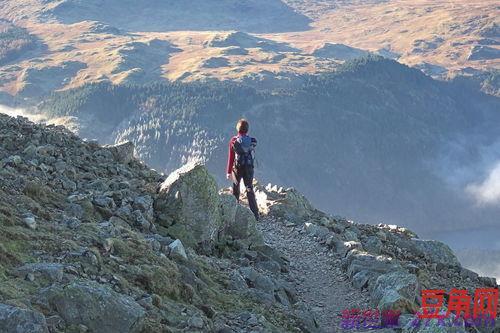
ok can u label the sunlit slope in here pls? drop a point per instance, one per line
(74, 42)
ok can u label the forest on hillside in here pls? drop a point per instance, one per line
(374, 140)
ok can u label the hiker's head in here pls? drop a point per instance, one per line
(242, 126)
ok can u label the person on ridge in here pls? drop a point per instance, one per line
(240, 164)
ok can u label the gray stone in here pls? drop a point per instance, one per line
(238, 221)
(14, 160)
(357, 261)
(382, 235)
(264, 283)
(404, 283)
(269, 265)
(396, 291)
(74, 210)
(145, 205)
(55, 322)
(307, 320)
(228, 207)
(290, 290)
(373, 245)
(125, 213)
(316, 230)
(119, 223)
(176, 250)
(72, 222)
(333, 241)
(350, 235)
(17, 320)
(103, 155)
(98, 185)
(352, 245)
(256, 280)
(291, 205)
(97, 307)
(104, 201)
(250, 275)
(282, 297)
(436, 251)
(196, 322)
(467, 273)
(30, 222)
(122, 152)
(261, 296)
(188, 205)
(488, 281)
(265, 252)
(236, 281)
(243, 225)
(361, 278)
(140, 221)
(68, 184)
(52, 271)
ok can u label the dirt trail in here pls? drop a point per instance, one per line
(316, 273)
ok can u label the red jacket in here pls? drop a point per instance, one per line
(230, 155)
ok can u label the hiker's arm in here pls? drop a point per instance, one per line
(230, 158)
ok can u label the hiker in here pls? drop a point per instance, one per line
(240, 164)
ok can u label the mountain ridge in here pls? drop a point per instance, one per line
(444, 39)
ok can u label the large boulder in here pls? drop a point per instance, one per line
(373, 244)
(396, 291)
(239, 221)
(243, 225)
(188, 205)
(358, 260)
(288, 204)
(122, 152)
(228, 208)
(97, 307)
(436, 251)
(17, 320)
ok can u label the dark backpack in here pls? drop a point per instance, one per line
(243, 147)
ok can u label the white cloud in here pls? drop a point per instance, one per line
(14, 112)
(487, 192)
(69, 122)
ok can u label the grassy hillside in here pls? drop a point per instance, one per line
(125, 41)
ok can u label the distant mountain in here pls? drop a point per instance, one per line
(339, 51)
(376, 141)
(257, 16)
(80, 42)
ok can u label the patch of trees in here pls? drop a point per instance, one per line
(14, 41)
(373, 88)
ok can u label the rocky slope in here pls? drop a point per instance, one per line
(92, 240)
(85, 244)
(389, 263)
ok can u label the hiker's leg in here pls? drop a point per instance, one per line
(236, 186)
(252, 202)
